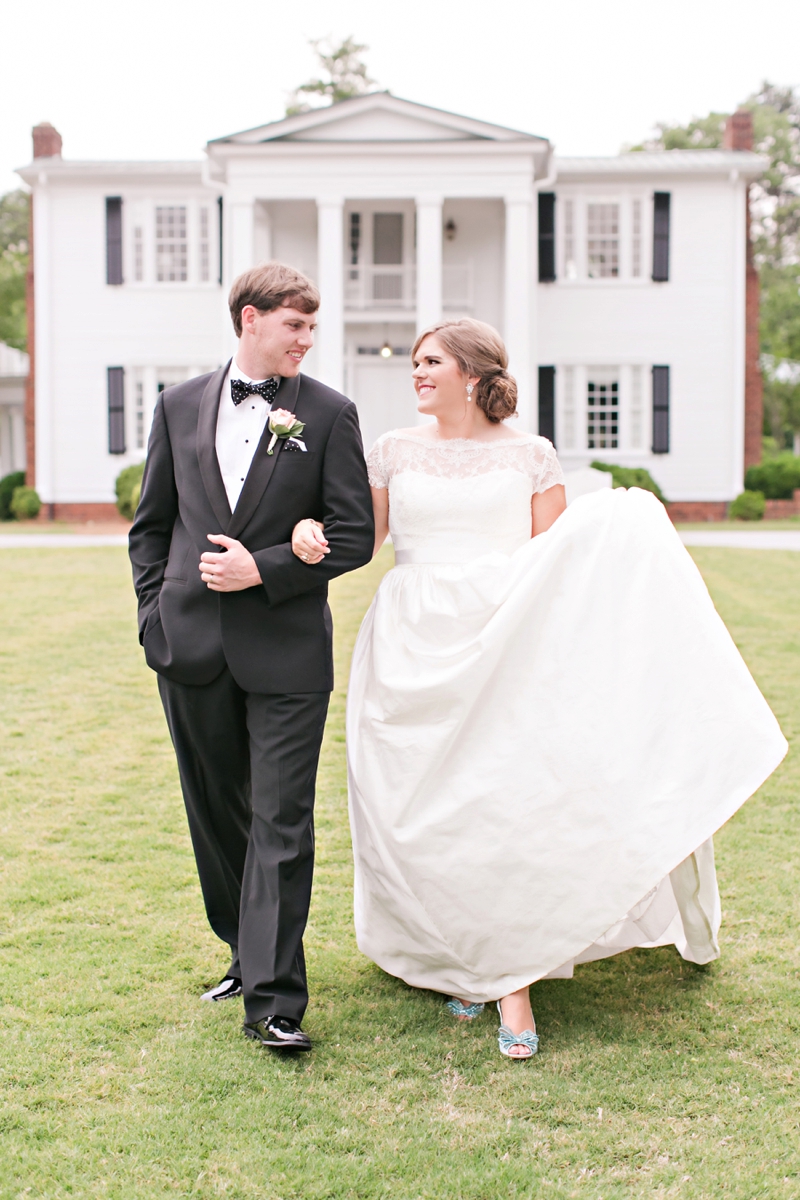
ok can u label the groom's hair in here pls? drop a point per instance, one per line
(271, 285)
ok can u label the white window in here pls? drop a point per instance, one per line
(602, 228)
(636, 246)
(172, 254)
(205, 245)
(602, 408)
(138, 253)
(569, 439)
(637, 409)
(570, 265)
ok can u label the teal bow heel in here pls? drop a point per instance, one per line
(464, 1012)
(507, 1038)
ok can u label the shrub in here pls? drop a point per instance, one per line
(129, 481)
(25, 503)
(628, 477)
(777, 477)
(7, 485)
(748, 506)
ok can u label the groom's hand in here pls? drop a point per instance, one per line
(232, 571)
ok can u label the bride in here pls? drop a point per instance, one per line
(547, 720)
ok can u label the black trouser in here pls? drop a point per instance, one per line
(248, 766)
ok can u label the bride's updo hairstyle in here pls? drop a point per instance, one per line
(479, 350)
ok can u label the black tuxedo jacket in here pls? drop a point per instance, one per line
(275, 637)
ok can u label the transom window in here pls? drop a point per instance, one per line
(172, 247)
(602, 227)
(602, 410)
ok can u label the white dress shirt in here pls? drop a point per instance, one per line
(239, 430)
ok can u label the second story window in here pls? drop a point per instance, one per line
(172, 255)
(602, 228)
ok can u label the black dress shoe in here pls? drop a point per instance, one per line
(282, 1033)
(225, 989)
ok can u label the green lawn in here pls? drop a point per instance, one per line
(655, 1078)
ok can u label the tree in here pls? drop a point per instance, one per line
(347, 75)
(775, 207)
(13, 267)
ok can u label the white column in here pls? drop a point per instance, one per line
(242, 242)
(45, 466)
(429, 260)
(330, 279)
(520, 264)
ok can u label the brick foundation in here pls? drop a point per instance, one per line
(783, 508)
(698, 510)
(83, 512)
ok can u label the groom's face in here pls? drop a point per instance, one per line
(279, 340)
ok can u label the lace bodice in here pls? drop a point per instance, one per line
(455, 500)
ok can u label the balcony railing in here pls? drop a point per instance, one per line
(377, 288)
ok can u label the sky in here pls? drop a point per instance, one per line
(156, 79)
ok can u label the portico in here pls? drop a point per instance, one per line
(403, 214)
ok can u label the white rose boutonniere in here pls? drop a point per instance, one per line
(283, 424)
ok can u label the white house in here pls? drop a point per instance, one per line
(13, 374)
(619, 284)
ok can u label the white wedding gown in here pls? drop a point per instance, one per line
(543, 734)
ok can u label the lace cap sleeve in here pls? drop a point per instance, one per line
(378, 463)
(545, 467)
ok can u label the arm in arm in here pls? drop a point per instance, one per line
(151, 533)
(547, 507)
(347, 518)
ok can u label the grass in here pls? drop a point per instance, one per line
(655, 1079)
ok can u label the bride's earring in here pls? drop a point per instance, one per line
(470, 390)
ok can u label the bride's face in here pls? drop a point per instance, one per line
(440, 383)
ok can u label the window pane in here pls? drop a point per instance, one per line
(602, 409)
(171, 246)
(603, 240)
(387, 237)
(205, 246)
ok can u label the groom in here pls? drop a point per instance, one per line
(239, 632)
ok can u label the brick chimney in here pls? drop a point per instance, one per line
(46, 141)
(738, 133)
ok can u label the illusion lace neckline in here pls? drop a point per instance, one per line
(518, 440)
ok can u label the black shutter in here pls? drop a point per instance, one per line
(660, 410)
(219, 212)
(116, 410)
(661, 236)
(547, 403)
(547, 237)
(113, 239)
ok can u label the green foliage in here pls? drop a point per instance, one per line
(748, 506)
(346, 75)
(777, 477)
(14, 208)
(629, 477)
(119, 1083)
(128, 488)
(7, 486)
(25, 503)
(781, 411)
(702, 133)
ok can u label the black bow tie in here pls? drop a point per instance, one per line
(240, 390)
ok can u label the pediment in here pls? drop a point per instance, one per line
(377, 117)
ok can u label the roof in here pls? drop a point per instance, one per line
(377, 116)
(60, 168)
(665, 162)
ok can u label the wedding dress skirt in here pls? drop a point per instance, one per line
(542, 738)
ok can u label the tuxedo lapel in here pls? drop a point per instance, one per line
(207, 447)
(263, 464)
